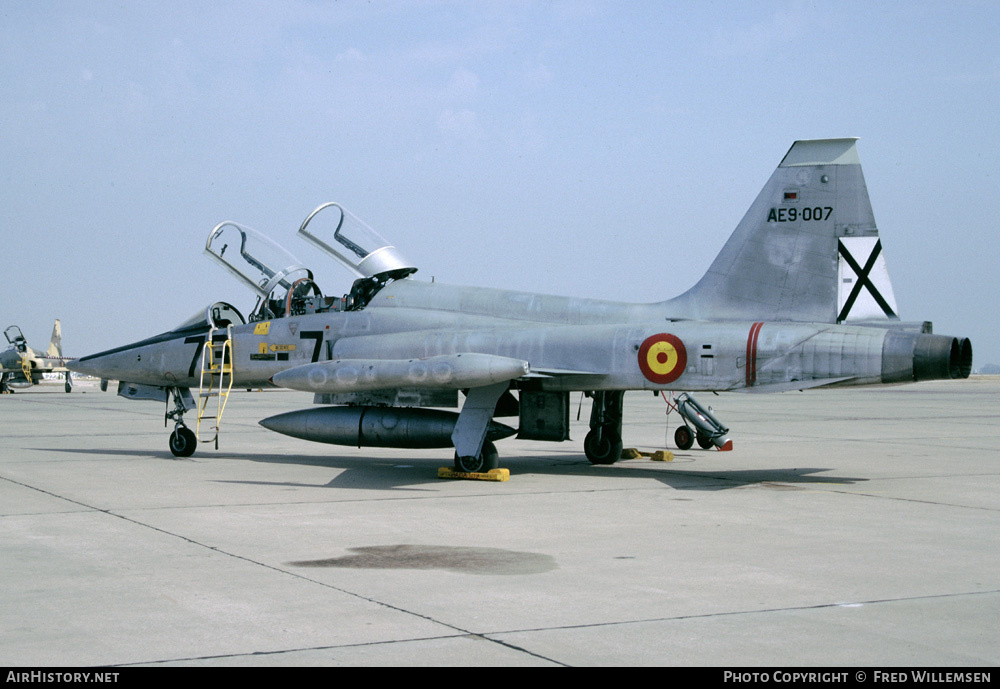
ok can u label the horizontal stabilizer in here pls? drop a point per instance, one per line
(448, 371)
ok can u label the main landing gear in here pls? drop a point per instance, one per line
(474, 453)
(487, 459)
(603, 444)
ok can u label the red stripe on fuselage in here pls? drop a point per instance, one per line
(751, 366)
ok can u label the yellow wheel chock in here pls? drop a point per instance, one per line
(658, 456)
(491, 475)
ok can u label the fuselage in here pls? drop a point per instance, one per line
(798, 297)
(571, 344)
(32, 360)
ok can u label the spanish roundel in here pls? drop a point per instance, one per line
(662, 358)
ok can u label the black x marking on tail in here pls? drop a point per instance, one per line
(863, 281)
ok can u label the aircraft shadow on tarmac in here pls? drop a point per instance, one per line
(383, 473)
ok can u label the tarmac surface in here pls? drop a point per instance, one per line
(848, 527)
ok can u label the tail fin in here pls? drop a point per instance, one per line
(807, 250)
(55, 345)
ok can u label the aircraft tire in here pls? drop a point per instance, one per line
(183, 442)
(704, 442)
(68, 387)
(602, 448)
(488, 459)
(684, 438)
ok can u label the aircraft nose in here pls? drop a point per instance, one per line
(87, 368)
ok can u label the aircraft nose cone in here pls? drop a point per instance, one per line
(87, 368)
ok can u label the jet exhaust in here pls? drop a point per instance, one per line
(910, 357)
(409, 428)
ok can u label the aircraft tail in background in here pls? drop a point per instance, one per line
(55, 344)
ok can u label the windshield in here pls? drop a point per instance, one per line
(359, 248)
(218, 315)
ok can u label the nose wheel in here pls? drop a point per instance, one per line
(183, 442)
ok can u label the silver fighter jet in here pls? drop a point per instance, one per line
(799, 297)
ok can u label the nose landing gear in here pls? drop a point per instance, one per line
(183, 440)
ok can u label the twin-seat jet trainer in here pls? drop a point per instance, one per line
(799, 297)
(22, 364)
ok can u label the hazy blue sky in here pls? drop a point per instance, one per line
(586, 148)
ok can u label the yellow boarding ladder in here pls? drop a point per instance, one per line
(217, 364)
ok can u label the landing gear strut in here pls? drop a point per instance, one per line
(473, 452)
(603, 444)
(183, 440)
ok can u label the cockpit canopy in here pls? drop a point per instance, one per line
(284, 287)
(279, 280)
(253, 259)
(356, 246)
(14, 336)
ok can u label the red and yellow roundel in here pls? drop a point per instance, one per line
(662, 358)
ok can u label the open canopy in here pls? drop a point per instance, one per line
(254, 259)
(359, 248)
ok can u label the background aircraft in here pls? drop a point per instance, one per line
(23, 364)
(799, 297)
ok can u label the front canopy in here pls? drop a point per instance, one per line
(253, 259)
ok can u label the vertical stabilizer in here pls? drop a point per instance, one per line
(55, 345)
(807, 250)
